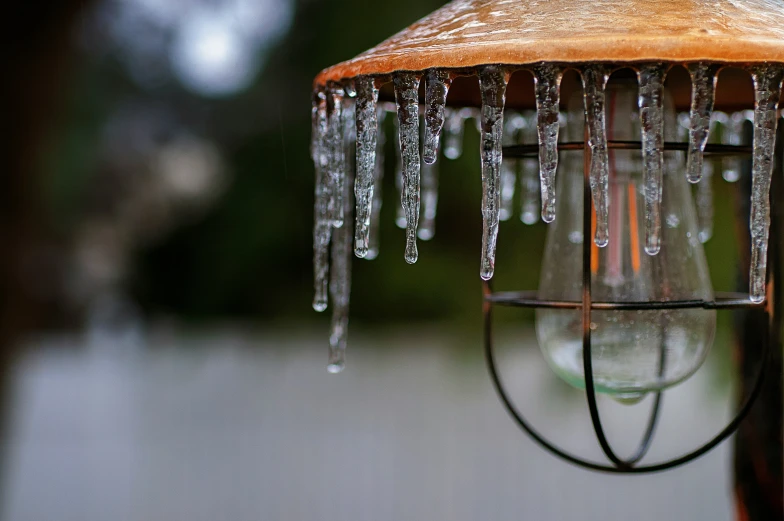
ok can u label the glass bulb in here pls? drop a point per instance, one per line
(633, 352)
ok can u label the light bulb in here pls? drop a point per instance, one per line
(633, 351)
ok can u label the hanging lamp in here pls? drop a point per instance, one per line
(634, 248)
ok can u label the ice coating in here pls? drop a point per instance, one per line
(400, 211)
(547, 80)
(437, 84)
(703, 88)
(427, 225)
(650, 98)
(340, 284)
(322, 227)
(366, 136)
(336, 155)
(594, 82)
(513, 122)
(378, 178)
(492, 84)
(407, 99)
(767, 91)
(530, 207)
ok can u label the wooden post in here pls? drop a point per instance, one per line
(758, 463)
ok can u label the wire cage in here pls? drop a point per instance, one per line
(722, 301)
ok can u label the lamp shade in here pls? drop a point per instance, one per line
(469, 33)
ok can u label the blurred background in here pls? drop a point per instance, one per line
(160, 356)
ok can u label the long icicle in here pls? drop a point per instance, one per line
(767, 91)
(378, 179)
(427, 227)
(492, 83)
(594, 82)
(530, 207)
(322, 227)
(407, 99)
(547, 80)
(400, 210)
(513, 123)
(704, 199)
(367, 136)
(336, 154)
(437, 83)
(703, 88)
(650, 99)
(340, 284)
(454, 129)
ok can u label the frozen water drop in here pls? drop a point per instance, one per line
(628, 398)
(407, 99)
(366, 137)
(547, 79)
(492, 83)
(337, 362)
(594, 82)
(437, 84)
(703, 87)
(651, 94)
(767, 91)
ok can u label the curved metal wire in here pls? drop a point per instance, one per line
(715, 149)
(725, 433)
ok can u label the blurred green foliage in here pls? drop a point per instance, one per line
(249, 256)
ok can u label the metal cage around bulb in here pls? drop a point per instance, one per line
(485, 39)
(725, 301)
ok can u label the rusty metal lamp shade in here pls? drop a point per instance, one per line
(564, 47)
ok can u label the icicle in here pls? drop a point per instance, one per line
(437, 83)
(453, 130)
(367, 135)
(513, 122)
(651, 90)
(378, 177)
(336, 159)
(492, 83)
(340, 284)
(427, 227)
(400, 211)
(594, 82)
(705, 203)
(703, 87)
(734, 135)
(322, 227)
(767, 91)
(407, 98)
(547, 80)
(530, 207)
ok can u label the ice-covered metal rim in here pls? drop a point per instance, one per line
(383, 77)
(470, 33)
